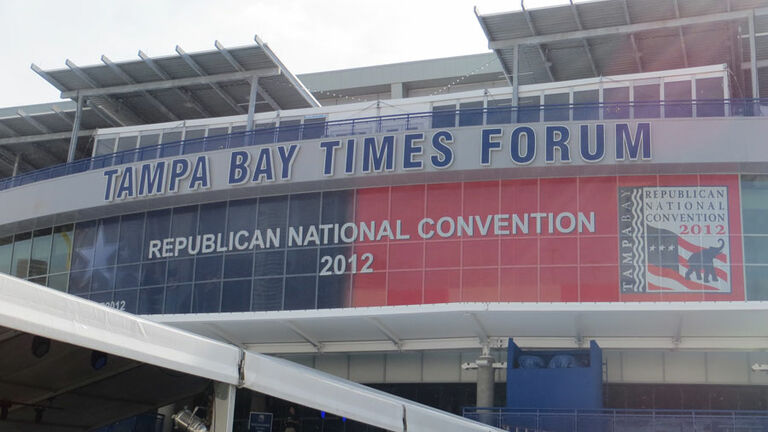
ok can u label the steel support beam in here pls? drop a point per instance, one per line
(284, 71)
(116, 106)
(547, 63)
(516, 81)
(296, 329)
(239, 68)
(680, 33)
(507, 73)
(386, 331)
(75, 130)
(252, 102)
(38, 70)
(635, 49)
(35, 124)
(16, 165)
(753, 57)
(626, 29)
(216, 87)
(584, 41)
(62, 114)
(153, 100)
(164, 75)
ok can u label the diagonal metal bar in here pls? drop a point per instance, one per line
(547, 63)
(105, 114)
(297, 84)
(635, 49)
(217, 88)
(62, 114)
(387, 332)
(680, 33)
(507, 73)
(32, 121)
(183, 93)
(125, 77)
(303, 334)
(238, 67)
(584, 41)
(114, 106)
(47, 77)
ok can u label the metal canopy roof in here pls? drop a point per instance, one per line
(184, 86)
(696, 326)
(612, 37)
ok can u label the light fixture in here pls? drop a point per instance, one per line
(188, 421)
(98, 360)
(40, 346)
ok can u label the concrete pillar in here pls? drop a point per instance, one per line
(223, 407)
(485, 383)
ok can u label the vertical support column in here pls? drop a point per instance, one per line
(485, 383)
(397, 90)
(75, 130)
(753, 57)
(167, 411)
(515, 82)
(223, 407)
(16, 165)
(252, 102)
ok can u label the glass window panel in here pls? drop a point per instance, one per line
(677, 96)
(300, 292)
(264, 133)
(80, 282)
(178, 299)
(217, 138)
(443, 116)
(21, 251)
(106, 242)
(647, 101)
(127, 300)
(103, 279)
(171, 136)
(151, 139)
(616, 103)
(105, 146)
(269, 263)
(755, 249)
(238, 266)
(213, 218)
(267, 294)
(242, 216)
(127, 276)
(158, 227)
(40, 280)
(301, 261)
(499, 111)
(153, 273)
(528, 109)
(556, 107)
(193, 141)
(288, 130)
(127, 143)
(180, 270)
(208, 268)
(41, 252)
(206, 297)
(709, 97)
(238, 138)
(172, 145)
(471, 113)
(84, 245)
(304, 210)
(236, 295)
(585, 105)
(754, 203)
(6, 251)
(59, 282)
(313, 128)
(333, 291)
(273, 213)
(151, 301)
(131, 234)
(338, 207)
(184, 224)
(61, 253)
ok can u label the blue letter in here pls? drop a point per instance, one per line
(126, 184)
(409, 149)
(439, 143)
(552, 141)
(487, 145)
(349, 166)
(263, 166)
(179, 170)
(238, 167)
(286, 159)
(530, 145)
(110, 175)
(624, 138)
(330, 151)
(382, 157)
(152, 182)
(599, 143)
(200, 174)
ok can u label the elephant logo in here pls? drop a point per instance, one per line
(701, 263)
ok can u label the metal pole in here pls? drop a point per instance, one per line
(485, 382)
(252, 102)
(515, 83)
(75, 130)
(16, 165)
(223, 407)
(753, 57)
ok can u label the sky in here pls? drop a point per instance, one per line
(307, 35)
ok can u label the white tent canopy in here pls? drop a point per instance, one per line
(30, 308)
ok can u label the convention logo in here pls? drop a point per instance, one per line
(674, 239)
